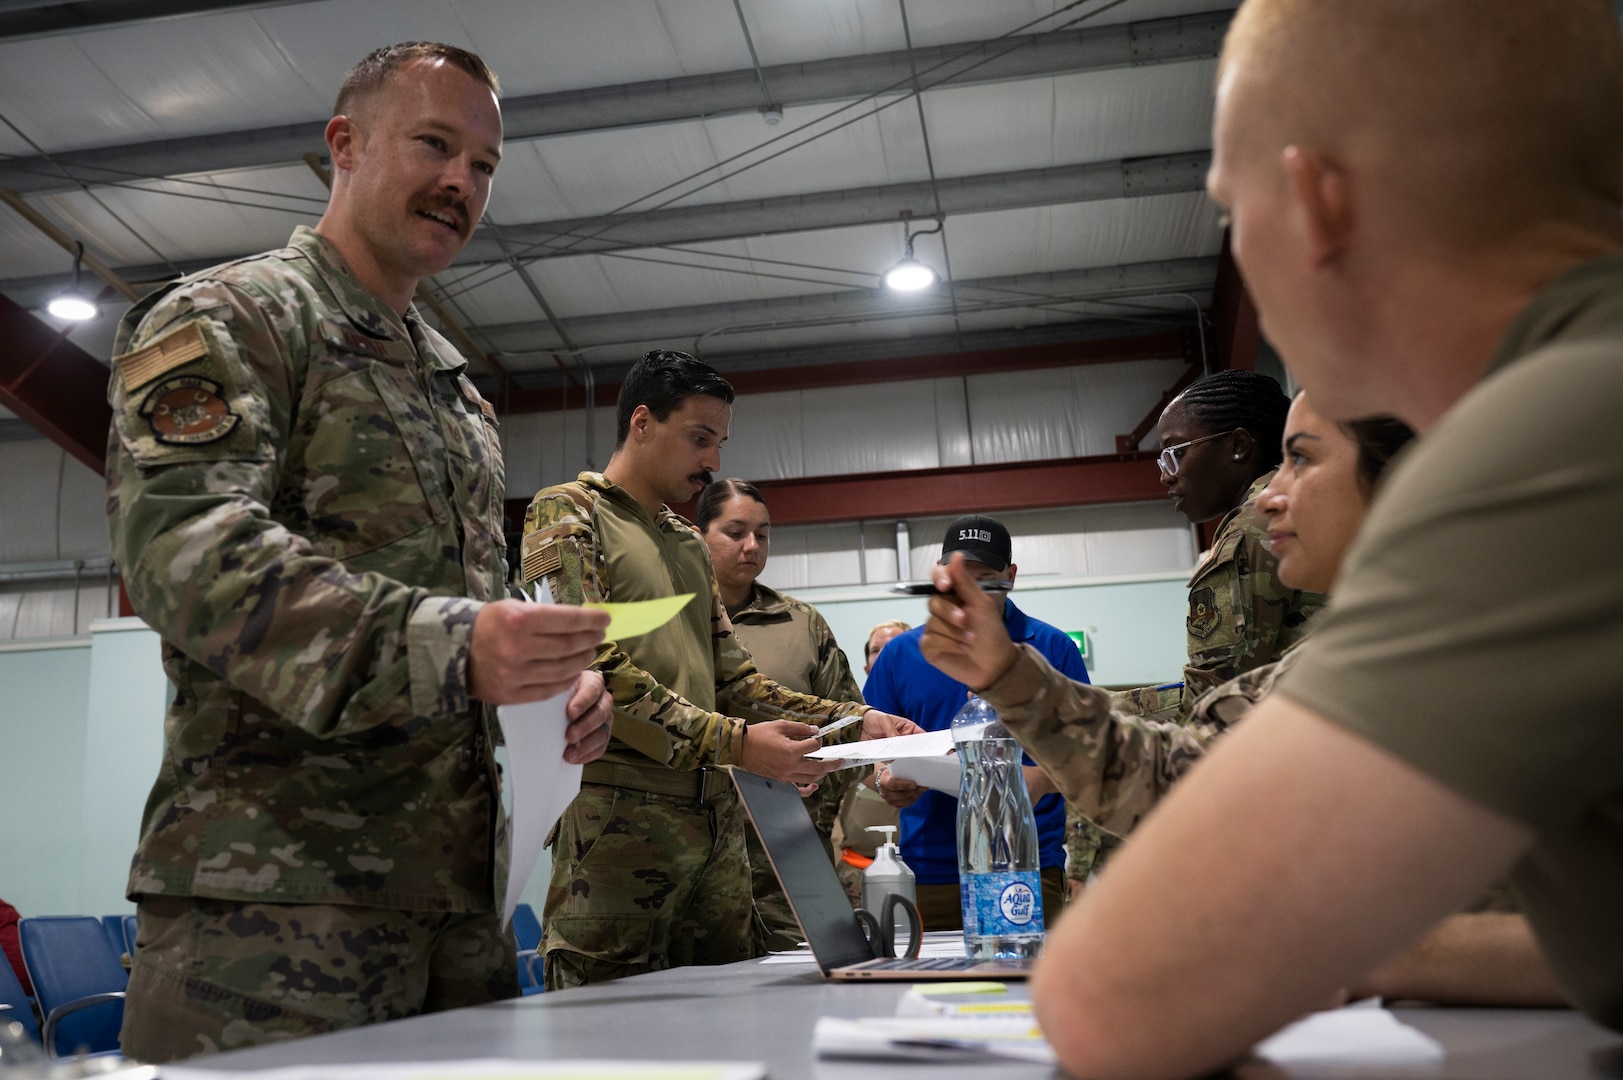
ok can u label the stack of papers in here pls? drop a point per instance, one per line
(943, 1038)
(492, 1069)
(926, 758)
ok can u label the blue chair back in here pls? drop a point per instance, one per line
(112, 928)
(129, 935)
(19, 1008)
(526, 928)
(68, 959)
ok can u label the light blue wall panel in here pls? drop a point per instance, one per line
(1135, 624)
(44, 691)
(123, 750)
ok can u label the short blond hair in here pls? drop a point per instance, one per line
(1490, 114)
(373, 73)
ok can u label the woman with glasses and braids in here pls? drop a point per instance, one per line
(1220, 445)
(791, 644)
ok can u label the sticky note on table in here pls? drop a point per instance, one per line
(640, 616)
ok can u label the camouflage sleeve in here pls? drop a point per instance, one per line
(202, 408)
(1254, 617)
(832, 680)
(1082, 842)
(649, 717)
(1111, 767)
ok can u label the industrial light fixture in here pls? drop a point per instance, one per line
(74, 305)
(910, 275)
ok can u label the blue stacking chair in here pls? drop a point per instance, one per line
(129, 935)
(112, 927)
(78, 980)
(527, 936)
(14, 1004)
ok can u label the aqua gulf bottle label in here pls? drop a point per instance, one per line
(1004, 902)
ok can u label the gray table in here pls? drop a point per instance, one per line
(751, 1012)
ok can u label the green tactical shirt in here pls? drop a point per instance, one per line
(305, 495)
(683, 693)
(1240, 615)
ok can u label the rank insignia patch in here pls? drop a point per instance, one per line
(188, 411)
(1202, 612)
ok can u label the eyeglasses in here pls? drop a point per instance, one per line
(1169, 457)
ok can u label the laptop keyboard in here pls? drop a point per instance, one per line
(926, 963)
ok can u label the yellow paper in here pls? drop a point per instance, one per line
(637, 618)
(943, 989)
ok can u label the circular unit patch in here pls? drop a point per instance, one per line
(188, 411)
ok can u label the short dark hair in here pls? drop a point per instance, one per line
(717, 494)
(662, 379)
(1379, 439)
(1230, 399)
(380, 66)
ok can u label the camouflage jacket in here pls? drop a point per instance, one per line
(792, 645)
(304, 493)
(1113, 766)
(1240, 616)
(684, 692)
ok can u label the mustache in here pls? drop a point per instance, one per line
(704, 478)
(456, 208)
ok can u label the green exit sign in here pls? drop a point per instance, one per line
(1081, 639)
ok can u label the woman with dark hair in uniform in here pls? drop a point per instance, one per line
(790, 644)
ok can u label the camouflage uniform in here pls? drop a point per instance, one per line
(792, 645)
(1113, 765)
(305, 496)
(649, 867)
(1240, 617)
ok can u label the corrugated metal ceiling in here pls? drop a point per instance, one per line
(255, 68)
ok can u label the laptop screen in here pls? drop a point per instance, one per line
(805, 871)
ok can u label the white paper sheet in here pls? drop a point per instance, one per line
(941, 774)
(491, 1069)
(868, 751)
(931, 1038)
(1357, 1035)
(543, 782)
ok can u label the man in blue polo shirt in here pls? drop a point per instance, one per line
(905, 683)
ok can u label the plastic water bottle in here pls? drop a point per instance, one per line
(999, 877)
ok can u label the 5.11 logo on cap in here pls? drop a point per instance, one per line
(983, 535)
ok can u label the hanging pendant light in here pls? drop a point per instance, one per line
(910, 275)
(74, 305)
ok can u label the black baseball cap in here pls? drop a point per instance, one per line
(982, 539)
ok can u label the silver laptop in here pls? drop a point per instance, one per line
(819, 901)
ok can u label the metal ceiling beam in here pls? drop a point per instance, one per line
(33, 19)
(1031, 485)
(681, 327)
(1128, 178)
(54, 385)
(694, 97)
(1082, 351)
(1235, 325)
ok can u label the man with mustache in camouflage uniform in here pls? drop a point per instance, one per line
(649, 867)
(305, 495)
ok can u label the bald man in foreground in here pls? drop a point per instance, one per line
(1425, 202)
